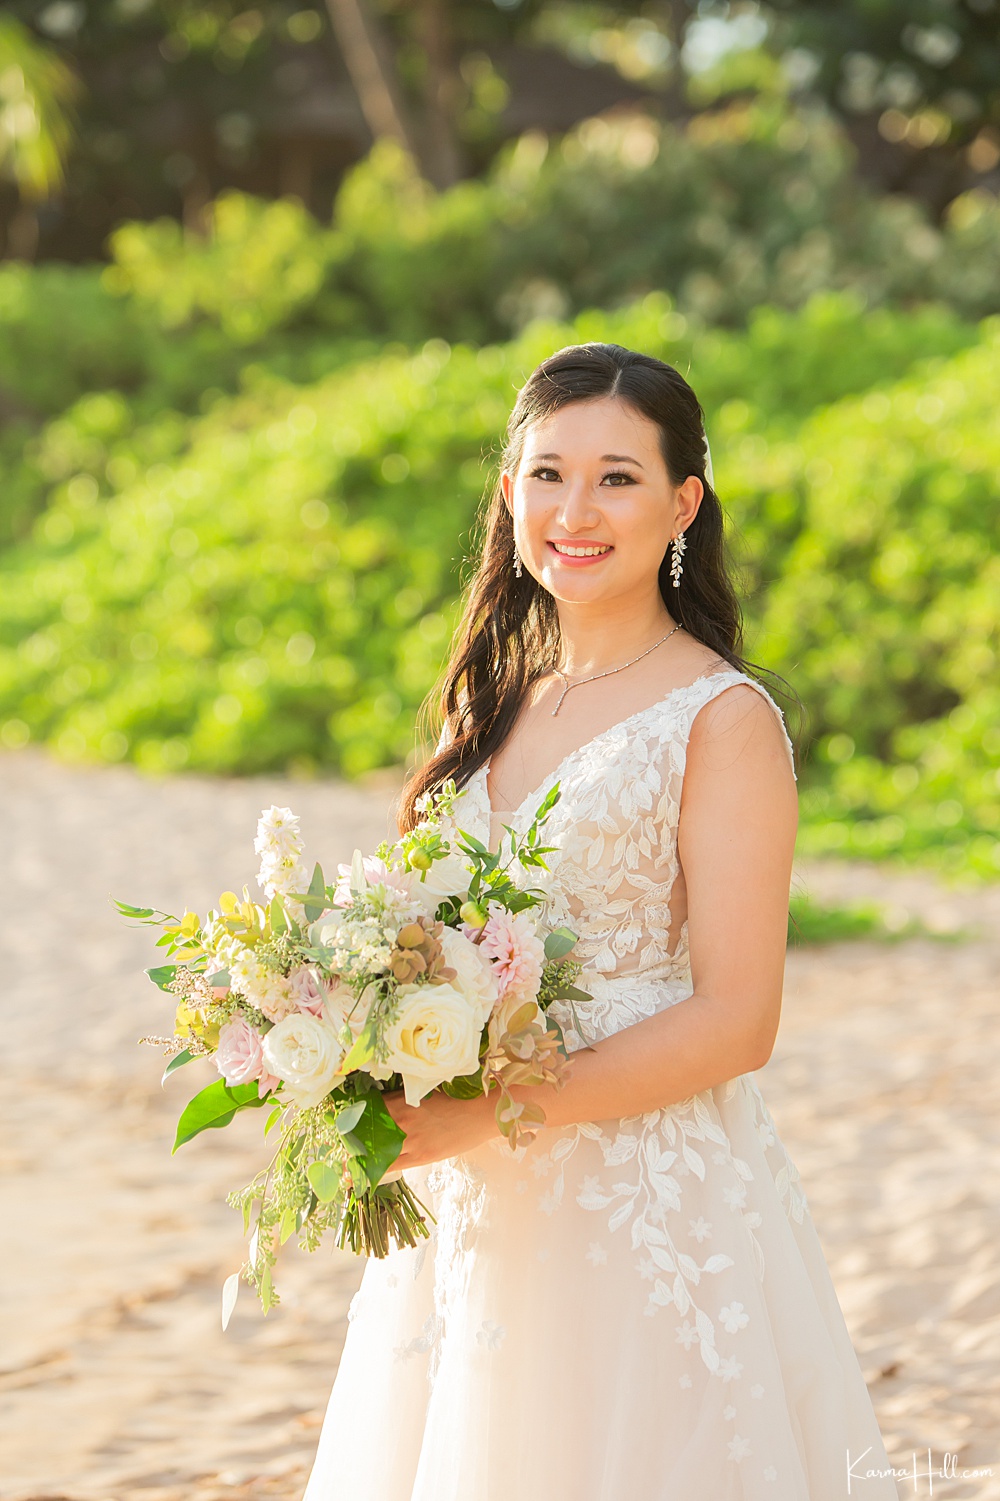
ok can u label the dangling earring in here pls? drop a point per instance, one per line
(676, 566)
(517, 562)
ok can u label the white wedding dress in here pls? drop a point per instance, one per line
(624, 1310)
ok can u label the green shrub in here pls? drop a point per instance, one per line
(272, 582)
(754, 203)
(870, 541)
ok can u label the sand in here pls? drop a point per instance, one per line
(116, 1380)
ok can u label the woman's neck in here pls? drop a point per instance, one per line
(598, 636)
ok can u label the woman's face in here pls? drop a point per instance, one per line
(593, 506)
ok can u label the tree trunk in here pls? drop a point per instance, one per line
(444, 156)
(369, 62)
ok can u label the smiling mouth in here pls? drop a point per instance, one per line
(588, 550)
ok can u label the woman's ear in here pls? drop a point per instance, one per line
(689, 499)
(507, 490)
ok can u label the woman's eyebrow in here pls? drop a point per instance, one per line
(606, 458)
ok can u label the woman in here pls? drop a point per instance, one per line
(634, 1306)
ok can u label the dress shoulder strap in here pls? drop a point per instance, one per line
(710, 685)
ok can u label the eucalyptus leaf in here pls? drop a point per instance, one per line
(559, 942)
(266, 1290)
(347, 1118)
(230, 1292)
(324, 1180)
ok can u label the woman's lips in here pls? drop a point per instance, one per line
(573, 559)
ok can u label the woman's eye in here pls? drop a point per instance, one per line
(541, 472)
(616, 474)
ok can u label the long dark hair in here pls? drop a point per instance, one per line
(509, 632)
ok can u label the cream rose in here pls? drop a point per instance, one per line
(449, 876)
(474, 971)
(435, 1037)
(305, 1053)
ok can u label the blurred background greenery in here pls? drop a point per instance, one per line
(272, 275)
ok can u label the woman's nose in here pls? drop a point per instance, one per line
(577, 510)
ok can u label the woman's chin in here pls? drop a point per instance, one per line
(578, 587)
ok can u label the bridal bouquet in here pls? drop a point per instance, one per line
(425, 967)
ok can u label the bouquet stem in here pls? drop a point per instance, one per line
(389, 1214)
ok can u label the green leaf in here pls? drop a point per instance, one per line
(214, 1107)
(363, 1050)
(572, 993)
(466, 1087)
(230, 1289)
(139, 913)
(324, 1180)
(266, 1290)
(273, 1119)
(288, 1224)
(359, 1177)
(559, 942)
(162, 974)
(316, 905)
(545, 807)
(279, 922)
(381, 1139)
(178, 1061)
(347, 1118)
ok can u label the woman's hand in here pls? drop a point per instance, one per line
(440, 1127)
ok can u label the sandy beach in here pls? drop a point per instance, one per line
(116, 1380)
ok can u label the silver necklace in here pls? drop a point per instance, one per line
(608, 672)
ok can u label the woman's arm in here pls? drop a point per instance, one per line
(736, 838)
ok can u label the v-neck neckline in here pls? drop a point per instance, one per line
(545, 784)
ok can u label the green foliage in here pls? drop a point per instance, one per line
(37, 92)
(254, 267)
(271, 582)
(215, 1106)
(282, 590)
(753, 203)
(870, 544)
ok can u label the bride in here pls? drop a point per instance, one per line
(635, 1305)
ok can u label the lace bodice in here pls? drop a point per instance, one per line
(615, 877)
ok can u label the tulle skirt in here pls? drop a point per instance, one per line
(626, 1310)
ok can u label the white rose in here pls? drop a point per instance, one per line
(342, 1005)
(326, 930)
(305, 1053)
(435, 1037)
(475, 977)
(449, 876)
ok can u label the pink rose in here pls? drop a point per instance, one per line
(239, 1057)
(308, 991)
